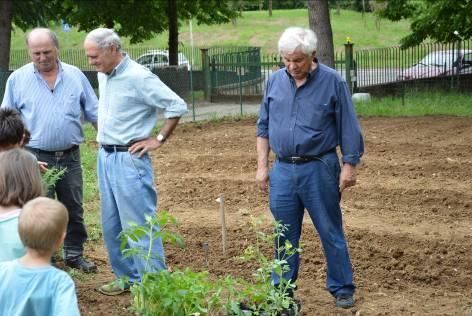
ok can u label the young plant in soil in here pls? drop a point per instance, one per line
(262, 297)
(185, 292)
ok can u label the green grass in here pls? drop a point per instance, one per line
(256, 28)
(88, 151)
(418, 104)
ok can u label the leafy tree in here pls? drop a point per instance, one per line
(142, 19)
(320, 23)
(435, 19)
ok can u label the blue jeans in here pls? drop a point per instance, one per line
(127, 194)
(69, 190)
(315, 186)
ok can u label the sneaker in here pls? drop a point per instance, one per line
(113, 288)
(345, 301)
(81, 264)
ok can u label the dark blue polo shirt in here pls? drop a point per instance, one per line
(311, 119)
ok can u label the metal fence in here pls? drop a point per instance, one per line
(440, 66)
(240, 73)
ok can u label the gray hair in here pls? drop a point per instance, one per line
(104, 38)
(298, 39)
(47, 31)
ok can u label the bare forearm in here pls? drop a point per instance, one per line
(262, 145)
(169, 125)
(262, 175)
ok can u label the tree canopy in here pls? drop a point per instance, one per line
(137, 19)
(435, 19)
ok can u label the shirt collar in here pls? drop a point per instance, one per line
(311, 75)
(121, 66)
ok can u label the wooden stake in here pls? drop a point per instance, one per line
(221, 199)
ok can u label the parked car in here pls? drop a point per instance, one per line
(160, 58)
(440, 63)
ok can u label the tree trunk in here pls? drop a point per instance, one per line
(173, 32)
(318, 15)
(6, 15)
(270, 7)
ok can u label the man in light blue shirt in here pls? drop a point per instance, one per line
(51, 97)
(130, 96)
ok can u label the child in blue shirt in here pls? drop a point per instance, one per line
(30, 286)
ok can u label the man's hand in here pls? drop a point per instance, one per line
(262, 178)
(348, 177)
(144, 146)
(43, 166)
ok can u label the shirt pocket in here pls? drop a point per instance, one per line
(72, 107)
(313, 115)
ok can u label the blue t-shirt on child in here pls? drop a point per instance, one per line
(44, 291)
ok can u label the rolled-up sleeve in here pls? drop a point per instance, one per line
(263, 121)
(156, 93)
(349, 131)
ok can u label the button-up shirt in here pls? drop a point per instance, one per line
(129, 99)
(311, 119)
(53, 116)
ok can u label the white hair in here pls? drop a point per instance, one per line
(104, 38)
(297, 39)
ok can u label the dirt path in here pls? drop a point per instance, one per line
(408, 221)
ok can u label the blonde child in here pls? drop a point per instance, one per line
(30, 285)
(20, 181)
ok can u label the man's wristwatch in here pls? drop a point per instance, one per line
(161, 138)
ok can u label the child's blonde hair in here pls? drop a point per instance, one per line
(20, 179)
(42, 223)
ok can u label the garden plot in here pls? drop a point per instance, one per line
(408, 221)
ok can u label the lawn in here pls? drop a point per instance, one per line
(256, 28)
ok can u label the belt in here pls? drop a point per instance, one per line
(298, 160)
(57, 153)
(304, 159)
(114, 148)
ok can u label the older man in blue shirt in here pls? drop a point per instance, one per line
(305, 114)
(130, 96)
(51, 97)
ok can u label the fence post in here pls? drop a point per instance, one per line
(206, 74)
(348, 48)
(458, 66)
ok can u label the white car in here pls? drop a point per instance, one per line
(160, 58)
(440, 63)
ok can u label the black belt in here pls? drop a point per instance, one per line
(304, 159)
(56, 153)
(113, 148)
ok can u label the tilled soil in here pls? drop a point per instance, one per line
(407, 221)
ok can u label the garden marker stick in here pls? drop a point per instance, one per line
(206, 250)
(221, 199)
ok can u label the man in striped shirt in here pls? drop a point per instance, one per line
(51, 96)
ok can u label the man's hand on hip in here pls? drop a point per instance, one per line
(262, 178)
(144, 146)
(348, 176)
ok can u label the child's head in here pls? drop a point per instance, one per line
(20, 179)
(42, 224)
(12, 129)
